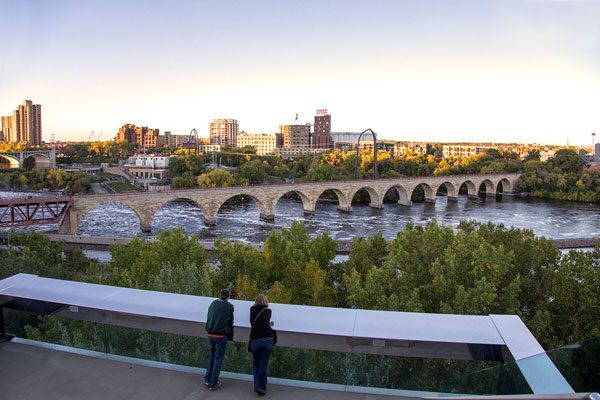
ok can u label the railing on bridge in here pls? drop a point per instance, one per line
(121, 318)
(33, 210)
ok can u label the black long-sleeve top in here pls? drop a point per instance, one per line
(262, 326)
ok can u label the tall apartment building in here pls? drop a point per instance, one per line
(6, 128)
(295, 135)
(142, 135)
(264, 144)
(322, 132)
(597, 152)
(25, 125)
(224, 131)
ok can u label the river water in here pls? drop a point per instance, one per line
(549, 218)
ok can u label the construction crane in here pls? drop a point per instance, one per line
(98, 138)
(90, 137)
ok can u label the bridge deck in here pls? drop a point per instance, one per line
(31, 373)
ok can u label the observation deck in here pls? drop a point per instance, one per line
(115, 342)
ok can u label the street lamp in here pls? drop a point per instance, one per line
(375, 169)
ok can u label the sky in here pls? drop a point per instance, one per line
(523, 71)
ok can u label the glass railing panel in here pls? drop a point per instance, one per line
(173, 349)
(55, 330)
(579, 363)
(362, 370)
(504, 379)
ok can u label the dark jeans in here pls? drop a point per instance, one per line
(261, 351)
(217, 352)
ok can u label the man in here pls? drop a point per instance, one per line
(219, 325)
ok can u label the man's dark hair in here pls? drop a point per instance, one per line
(224, 293)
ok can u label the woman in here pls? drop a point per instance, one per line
(261, 342)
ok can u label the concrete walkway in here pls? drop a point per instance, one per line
(31, 373)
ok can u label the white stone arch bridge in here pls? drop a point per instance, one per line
(43, 158)
(145, 204)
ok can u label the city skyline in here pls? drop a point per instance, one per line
(461, 71)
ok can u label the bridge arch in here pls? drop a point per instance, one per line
(375, 200)
(210, 213)
(126, 216)
(488, 186)
(428, 190)
(191, 208)
(506, 185)
(472, 190)
(41, 160)
(13, 162)
(306, 203)
(343, 202)
(403, 194)
(451, 189)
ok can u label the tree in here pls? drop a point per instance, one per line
(255, 171)
(566, 161)
(216, 178)
(175, 263)
(319, 172)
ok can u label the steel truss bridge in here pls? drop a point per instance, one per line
(33, 210)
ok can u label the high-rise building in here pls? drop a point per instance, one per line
(224, 131)
(322, 132)
(25, 125)
(141, 135)
(263, 143)
(6, 128)
(597, 152)
(295, 135)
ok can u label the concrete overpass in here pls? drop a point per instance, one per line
(145, 204)
(43, 158)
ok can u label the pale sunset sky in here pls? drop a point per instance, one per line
(421, 70)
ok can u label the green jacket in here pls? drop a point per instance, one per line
(220, 318)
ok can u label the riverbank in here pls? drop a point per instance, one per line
(104, 242)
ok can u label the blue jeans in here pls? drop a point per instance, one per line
(261, 351)
(217, 352)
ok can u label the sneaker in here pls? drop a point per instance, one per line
(261, 392)
(216, 386)
(207, 384)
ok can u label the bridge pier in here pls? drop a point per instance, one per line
(69, 224)
(376, 205)
(430, 200)
(345, 209)
(267, 217)
(309, 212)
(209, 221)
(473, 196)
(405, 203)
(452, 198)
(146, 228)
(507, 194)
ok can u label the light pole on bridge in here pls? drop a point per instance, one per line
(375, 169)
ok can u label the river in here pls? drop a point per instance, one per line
(550, 218)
